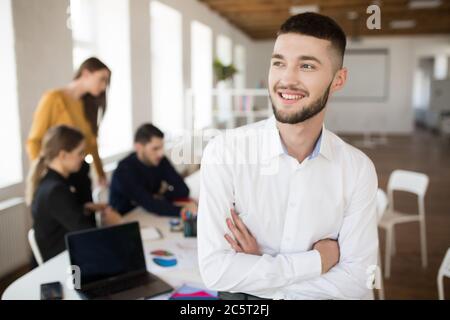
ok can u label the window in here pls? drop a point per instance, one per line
(224, 51)
(240, 64)
(101, 28)
(166, 68)
(225, 55)
(10, 144)
(201, 73)
(440, 67)
(82, 18)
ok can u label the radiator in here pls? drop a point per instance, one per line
(14, 224)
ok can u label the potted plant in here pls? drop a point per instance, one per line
(223, 72)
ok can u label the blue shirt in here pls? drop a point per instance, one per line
(137, 184)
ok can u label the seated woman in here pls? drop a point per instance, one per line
(55, 205)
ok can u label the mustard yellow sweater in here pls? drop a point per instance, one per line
(56, 108)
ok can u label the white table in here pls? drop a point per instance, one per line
(185, 272)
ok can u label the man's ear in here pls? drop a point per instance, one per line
(138, 147)
(339, 80)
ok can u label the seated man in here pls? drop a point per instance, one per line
(146, 178)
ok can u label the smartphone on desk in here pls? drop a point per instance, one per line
(51, 291)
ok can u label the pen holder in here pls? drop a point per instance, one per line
(190, 228)
(175, 225)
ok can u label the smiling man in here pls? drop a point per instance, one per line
(287, 209)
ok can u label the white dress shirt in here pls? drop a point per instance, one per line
(287, 206)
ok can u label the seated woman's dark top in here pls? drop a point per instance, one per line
(57, 210)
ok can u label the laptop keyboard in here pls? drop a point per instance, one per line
(121, 285)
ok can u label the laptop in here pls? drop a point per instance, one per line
(112, 264)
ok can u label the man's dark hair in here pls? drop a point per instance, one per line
(318, 26)
(146, 132)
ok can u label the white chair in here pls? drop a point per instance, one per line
(382, 204)
(193, 183)
(408, 181)
(34, 247)
(99, 194)
(444, 271)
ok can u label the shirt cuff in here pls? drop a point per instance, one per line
(307, 265)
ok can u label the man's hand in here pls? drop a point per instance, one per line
(329, 253)
(103, 182)
(164, 187)
(243, 239)
(94, 207)
(190, 206)
(111, 217)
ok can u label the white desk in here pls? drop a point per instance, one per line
(185, 249)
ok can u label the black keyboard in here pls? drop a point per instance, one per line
(120, 285)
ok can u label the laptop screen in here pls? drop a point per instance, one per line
(107, 252)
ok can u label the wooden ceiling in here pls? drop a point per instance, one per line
(260, 19)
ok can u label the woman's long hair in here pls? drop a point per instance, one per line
(94, 107)
(57, 139)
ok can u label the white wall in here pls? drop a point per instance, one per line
(43, 58)
(258, 63)
(395, 114)
(140, 62)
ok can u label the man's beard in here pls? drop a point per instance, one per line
(303, 114)
(143, 158)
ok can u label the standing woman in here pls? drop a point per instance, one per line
(81, 104)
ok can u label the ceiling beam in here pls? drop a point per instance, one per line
(260, 19)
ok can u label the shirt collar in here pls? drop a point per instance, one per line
(273, 145)
(316, 149)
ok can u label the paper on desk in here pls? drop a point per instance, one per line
(185, 251)
(150, 233)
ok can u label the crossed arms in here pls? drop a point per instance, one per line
(230, 258)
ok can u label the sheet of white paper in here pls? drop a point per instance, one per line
(184, 250)
(150, 233)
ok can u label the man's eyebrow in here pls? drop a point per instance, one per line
(277, 56)
(302, 58)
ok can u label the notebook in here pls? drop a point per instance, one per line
(187, 292)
